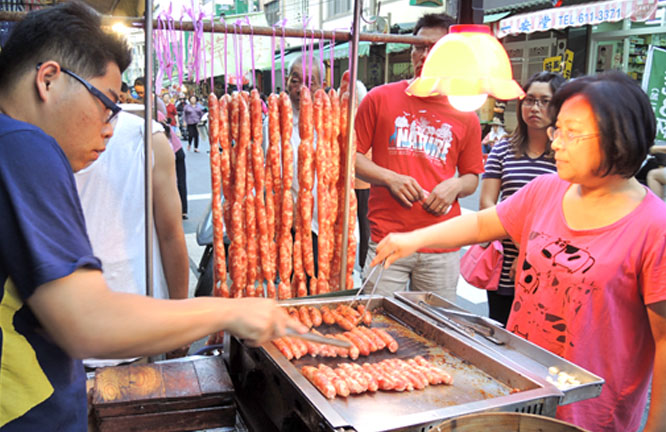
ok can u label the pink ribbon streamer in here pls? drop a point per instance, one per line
(332, 47)
(284, 23)
(171, 40)
(199, 41)
(304, 53)
(238, 57)
(321, 58)
(158, 47)
(226, 76)
(190, 44)
(196, 43)
(273, 61)
(311, 56)
(247, 20)
(349, 56)
(212, 51)
(179, 56)
(159, 53)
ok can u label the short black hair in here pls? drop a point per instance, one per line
(624, 118)
(69, 33)
(434, 20)
(124, 87)
(518, 138)
(140, 82)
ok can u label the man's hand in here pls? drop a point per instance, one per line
(259, 320)
(178, 353)
(439, 201)
(405, 189)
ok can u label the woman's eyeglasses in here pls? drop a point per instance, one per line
(530, 101)
(567, 137)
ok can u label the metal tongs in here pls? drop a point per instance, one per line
(313, 337)
(470, 328)
(360, 290)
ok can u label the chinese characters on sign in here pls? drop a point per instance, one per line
(576, 16)
(557, 64)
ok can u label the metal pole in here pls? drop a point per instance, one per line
(355, 36)
(148, 145)
(261, 31)
(386, 56)
(353, 69)
(342, 36)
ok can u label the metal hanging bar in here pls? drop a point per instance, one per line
(341, 36)
(355, 36)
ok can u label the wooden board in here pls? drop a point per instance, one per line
(176, 396)
(187, 420)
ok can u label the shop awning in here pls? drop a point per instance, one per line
(495, 6)
(577, 16)
(397, 47)
(491, 18)
(341, 51)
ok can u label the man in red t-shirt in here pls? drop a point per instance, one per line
(418, 145)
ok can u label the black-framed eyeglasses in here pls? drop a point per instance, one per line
(112, 108)
(530, 101)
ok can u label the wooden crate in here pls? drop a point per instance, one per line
(165, 397)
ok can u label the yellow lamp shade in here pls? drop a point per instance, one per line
(468, 61)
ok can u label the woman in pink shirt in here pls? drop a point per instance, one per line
(591, 280)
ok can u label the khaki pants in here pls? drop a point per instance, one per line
(436, 272)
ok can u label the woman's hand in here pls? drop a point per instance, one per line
(395, 246)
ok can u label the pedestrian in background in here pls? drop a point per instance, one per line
(513, 162)
(192, 114)
(171, 112)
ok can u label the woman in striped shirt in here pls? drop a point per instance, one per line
(512, 164)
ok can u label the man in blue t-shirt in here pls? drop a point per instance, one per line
(60, 76)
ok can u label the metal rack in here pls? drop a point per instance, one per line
(354, 37)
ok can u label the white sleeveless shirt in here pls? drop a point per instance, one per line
(112, 196)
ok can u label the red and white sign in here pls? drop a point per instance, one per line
(577, 16)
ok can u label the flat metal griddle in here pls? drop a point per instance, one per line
(481, 382)
(533, 358)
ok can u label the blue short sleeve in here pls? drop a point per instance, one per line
(43, 229)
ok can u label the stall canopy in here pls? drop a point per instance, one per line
(237, 48)
(577, 16)
(397, 47)
(340, 51)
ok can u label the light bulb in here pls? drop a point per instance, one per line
(468, 103)
(120, 28)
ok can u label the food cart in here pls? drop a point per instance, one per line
(492, 369)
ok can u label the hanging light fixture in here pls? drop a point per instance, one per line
(467, 65)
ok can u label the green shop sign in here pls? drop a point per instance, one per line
(654, 84)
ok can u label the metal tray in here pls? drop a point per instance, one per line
(481, 381)
(534, 359)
